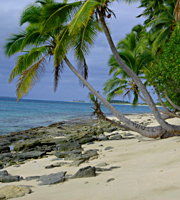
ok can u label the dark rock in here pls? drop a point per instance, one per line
(29, 178)
(9, 179)
(4, 149)
(69, 146)
(31, 154)
(1, 166)
(3, 173)
(110, 179)
(108, 148)
(85, 172)
(52, 178)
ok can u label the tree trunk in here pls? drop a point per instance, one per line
(162, 103)
(151, 132)
(170, 101)
(136, 79)
(160, 110)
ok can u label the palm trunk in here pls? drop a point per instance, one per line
(162, 103)
(160, 110)
(150, 102)
(151, 132)
(170, 101)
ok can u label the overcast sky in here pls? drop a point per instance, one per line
(68, 88)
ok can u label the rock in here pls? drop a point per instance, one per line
(85, 172)
(12, 191)
(108, 148)
(52, 178)
(31, 154)
(110, 179)
(4, 149)
(9, 179)
(69, 146)
(29, 178)
(3, 173)
(69, 155)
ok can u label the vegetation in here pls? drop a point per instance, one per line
(73, 26)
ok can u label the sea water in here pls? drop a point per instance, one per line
(17, 116)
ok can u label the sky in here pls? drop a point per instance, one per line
(68, 88)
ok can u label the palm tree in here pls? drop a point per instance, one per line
(101, 10)
(38, 47)
(52, 18)
(133, 50)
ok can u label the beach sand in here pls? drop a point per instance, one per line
(149, 169)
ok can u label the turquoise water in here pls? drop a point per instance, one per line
(32, 113)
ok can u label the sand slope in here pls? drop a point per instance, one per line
(149, 170)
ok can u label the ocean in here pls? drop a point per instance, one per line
(17, 116)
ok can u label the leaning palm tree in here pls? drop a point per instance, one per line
(102, 12)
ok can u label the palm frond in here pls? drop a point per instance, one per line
(13, 43)
(26, 60)
(160, 39)
(57, 74)
(56, 14)
(82, 16)
(29, 78)
(63, 44)
(31, 14)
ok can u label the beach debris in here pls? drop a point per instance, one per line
(110, 179)
(12, 191)
(108, 148)
(85, 172)
(52, 178)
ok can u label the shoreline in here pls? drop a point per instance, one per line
(127, 165)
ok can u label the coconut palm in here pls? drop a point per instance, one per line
(38, 47)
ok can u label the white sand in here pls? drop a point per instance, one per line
(149, 170)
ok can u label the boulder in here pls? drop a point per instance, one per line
(9, 179)
(52, 178)
(4, 149)
(85, 172)
(12, 191)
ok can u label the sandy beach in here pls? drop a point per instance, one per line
(144, 169)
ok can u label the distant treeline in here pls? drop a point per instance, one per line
(119, 101)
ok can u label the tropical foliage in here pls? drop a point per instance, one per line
(135, 53)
